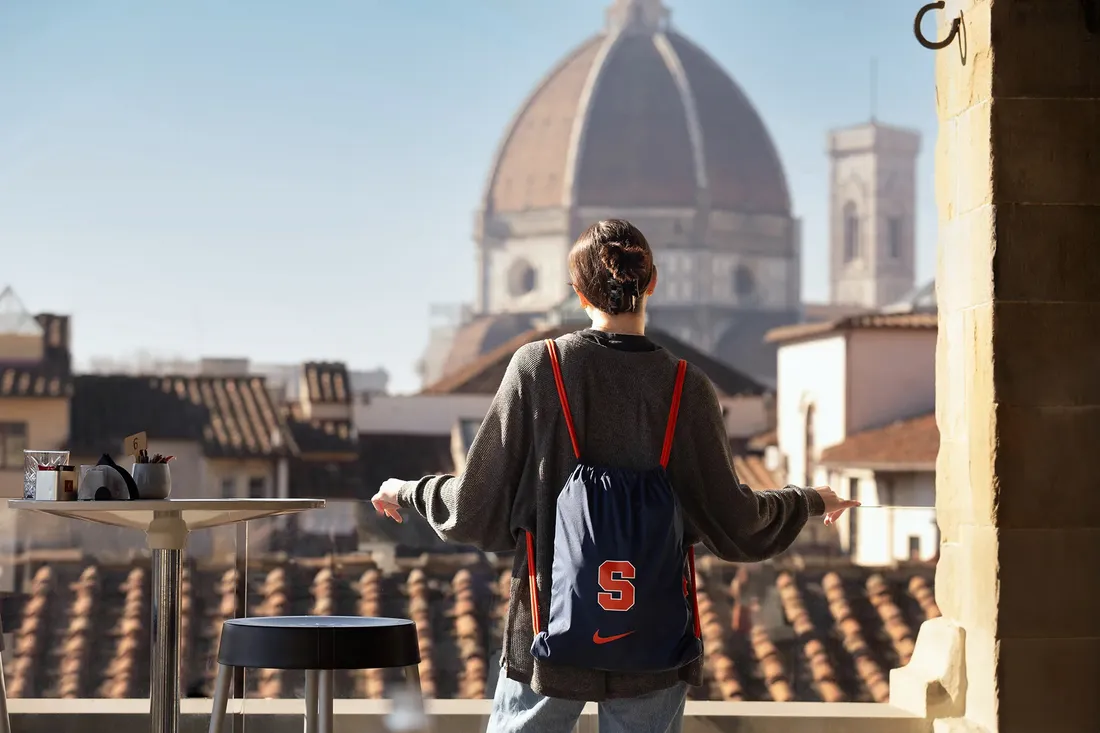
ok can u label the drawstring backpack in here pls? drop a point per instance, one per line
(622, 594)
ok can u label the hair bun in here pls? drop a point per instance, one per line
(612, 266)
(624, 261)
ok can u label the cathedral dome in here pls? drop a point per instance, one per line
(637, 116)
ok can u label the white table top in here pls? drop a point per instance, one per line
(196, 513)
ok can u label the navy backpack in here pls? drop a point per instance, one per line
(622, 594)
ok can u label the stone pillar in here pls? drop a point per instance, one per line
(1018, 375)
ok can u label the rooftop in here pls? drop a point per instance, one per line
(484, 374)
(229, 416)
(910, 444)
(908, 321)
(81, 628)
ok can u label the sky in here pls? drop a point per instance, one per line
(294, 181)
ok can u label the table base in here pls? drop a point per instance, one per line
(164, 689)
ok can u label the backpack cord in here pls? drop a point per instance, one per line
(670, 429)
(560, 383)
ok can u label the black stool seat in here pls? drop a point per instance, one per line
(318, 642)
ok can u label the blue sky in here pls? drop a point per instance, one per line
(297, 180)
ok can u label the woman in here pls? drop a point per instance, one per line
(603, 397)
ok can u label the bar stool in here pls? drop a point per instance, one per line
(5, 723)
(317, 645)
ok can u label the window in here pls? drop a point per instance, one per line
(893, 236)
(914, 547)
(522, 278)
(13, 441)
(257, 487)
(851, 232)
(744, 284)
(229, 488)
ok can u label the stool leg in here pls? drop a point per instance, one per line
(412, 681)
(408, 703)
(221, 698)
(311, 700)
(325, 695)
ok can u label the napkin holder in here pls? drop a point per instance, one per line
(107, 481)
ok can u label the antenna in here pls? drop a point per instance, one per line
(874, 87)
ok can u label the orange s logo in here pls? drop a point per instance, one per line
(618, 591)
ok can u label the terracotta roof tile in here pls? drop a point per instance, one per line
(230, 416)
(803, 636)
(752, 471)
(760, 441)
(481, 336)
(327, 382)
(914, 321)
(33, 381)
(323, 436)
(52, 376)
(913, 442)
(484, 375)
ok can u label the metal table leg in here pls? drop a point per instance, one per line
(167, 536)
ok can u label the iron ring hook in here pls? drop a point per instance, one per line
(935, 45)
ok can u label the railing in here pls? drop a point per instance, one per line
(451, 716)
(792, 645)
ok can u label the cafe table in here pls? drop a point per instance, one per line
(166, 524)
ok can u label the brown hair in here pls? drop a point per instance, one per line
(611, 265)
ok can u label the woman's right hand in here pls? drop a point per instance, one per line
(834, 505)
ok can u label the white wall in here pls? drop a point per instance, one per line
(810, 372)
(892, 374)
(419, 414)
(898, 508)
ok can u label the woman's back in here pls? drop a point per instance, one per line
(619, 389)
(619, 396)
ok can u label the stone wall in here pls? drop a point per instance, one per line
(1018, 374)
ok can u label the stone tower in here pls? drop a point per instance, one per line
(872, 214)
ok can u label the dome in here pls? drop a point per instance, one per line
(637, 116)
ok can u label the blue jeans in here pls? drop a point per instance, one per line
(518, 709)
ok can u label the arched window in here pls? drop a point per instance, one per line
(522, 278)
(894, 236)
(744, 284)
(851, 232)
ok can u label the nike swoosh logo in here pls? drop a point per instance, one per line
(597, 639)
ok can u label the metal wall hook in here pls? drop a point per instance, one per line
(935, 45)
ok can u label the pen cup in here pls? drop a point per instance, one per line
(154, 480)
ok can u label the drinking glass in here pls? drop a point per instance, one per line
(32, 459)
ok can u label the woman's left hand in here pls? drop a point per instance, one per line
(385, 501)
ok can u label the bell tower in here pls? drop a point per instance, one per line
(872, 214)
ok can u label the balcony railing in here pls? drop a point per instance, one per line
(792, 646)
(451, 716)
